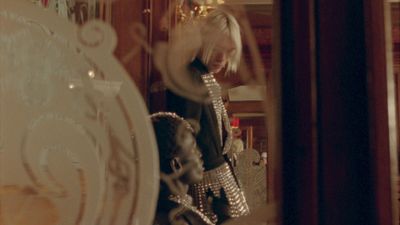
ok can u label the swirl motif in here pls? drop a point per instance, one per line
(97, 34)
(45, 181)
(91, 36)
(73, 146)
(172, 60)
(137, 31)
(252, 178)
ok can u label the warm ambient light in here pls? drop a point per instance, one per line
(91, 74)
(191, 9)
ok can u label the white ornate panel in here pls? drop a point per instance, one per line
(252, 177)
(76, 145)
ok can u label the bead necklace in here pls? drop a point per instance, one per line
(186, 201)
(214, 89)
(215, 180)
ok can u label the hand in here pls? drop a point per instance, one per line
(219, 205)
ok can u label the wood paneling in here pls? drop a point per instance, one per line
(395, 20)
(300, 202)
(259, 132)
(124, 14)
(245, 107)
(160, 24)
(380, 94)
(346, 160)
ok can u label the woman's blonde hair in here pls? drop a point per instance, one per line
(219, 22)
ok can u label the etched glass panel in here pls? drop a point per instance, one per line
(75, 135)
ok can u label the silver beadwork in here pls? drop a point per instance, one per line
(214, 180)
(214, 89)
(186, 202)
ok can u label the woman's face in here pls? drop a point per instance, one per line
(190, 156)
(222, 52)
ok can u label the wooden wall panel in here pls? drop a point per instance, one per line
(381, 99)
(300, 201)
(348, 142)
(395, 20)
(125, 13)
(161, 22)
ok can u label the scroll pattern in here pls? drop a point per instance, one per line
(65, 115)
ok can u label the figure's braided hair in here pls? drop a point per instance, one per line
(167, 126)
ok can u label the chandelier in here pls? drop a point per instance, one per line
(192, 9)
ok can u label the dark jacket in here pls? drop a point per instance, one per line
(203, 113)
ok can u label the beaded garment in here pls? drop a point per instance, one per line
(214, 180)
(187, 204)
(214, 89)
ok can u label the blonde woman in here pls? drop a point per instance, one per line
(220, 49)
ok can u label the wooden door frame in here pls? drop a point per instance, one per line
(309, 200)
(383, 110)
(299, 113)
